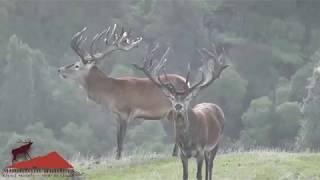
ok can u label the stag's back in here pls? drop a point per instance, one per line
(143, 97)
(211, 117)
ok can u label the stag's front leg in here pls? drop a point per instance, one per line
(199, 167)
(121, 132)
(184, 161)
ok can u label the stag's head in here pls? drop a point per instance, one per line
(113, 39)
(213, 65)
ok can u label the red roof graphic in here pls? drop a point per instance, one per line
(50, 161)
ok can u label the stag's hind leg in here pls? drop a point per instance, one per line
(168, 128)
(209, 157)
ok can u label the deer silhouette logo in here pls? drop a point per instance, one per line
(22, 150)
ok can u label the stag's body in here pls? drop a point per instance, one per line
(24, 149)
(129, 97)
(199, 138)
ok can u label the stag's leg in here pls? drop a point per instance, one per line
(212, 156)
(28, 155)
(168, 128)
(121, 132)
(175, 150)
(206, 157)
(14, 158)
(184, 161)
(199, 167)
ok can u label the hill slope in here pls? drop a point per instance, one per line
(251, 165)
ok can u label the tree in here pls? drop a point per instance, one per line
(309, 136)
(256, 121)
(20, 84)
(287, 125)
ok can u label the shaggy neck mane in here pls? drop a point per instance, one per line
(97, 82)
(183, 130)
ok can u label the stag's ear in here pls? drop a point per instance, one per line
(167, 93)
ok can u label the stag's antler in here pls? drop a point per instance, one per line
(25, 141)
(153, 70)
(112, 39)
(213, 64)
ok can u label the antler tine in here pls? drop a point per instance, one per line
(163, 84)
(76, 36)
(151, 51)
(113, 32)
(161, 69)
(163, 57)
(188, 75)
(157, 68)
(214, 65)
(123, 41)
(147, 60)
(129, 31)
(214, 48)
(97, 37)
(107, 39)
(123, 34)
(94, 39)
(76, 43)
(212, 54)
(198, 84)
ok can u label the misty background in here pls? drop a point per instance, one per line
(272, 46)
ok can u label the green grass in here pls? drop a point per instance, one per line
(250, 165)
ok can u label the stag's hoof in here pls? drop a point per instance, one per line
(174, 154)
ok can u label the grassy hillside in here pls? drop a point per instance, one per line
(251, 165)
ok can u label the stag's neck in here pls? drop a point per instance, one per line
(184, 129)
(98, 85)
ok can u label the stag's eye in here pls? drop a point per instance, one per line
(77, 66)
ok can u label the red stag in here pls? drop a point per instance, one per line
(128, 98)
(22, 150)
(198, 129)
